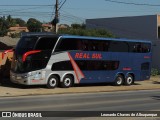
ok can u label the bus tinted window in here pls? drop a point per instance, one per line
(146, 47)
(82, 44)
(145, 66)
(102, 45)
(63, 65)
(139, 47)
(90, 65)
(67, 44)
(46, 44)
(118, 46)
(26, 44)
(97, 45)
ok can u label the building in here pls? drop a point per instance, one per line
(135, 27)
(47, 27)
(17, 29)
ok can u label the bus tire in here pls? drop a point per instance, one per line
(129, 80)
(52, 81)
(67, 81)
(119, 80)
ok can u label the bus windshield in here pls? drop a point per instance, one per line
(26, 44)
(35, 61)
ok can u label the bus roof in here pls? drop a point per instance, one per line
(82, 37)
(103, 38)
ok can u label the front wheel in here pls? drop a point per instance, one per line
(67, 81)
(119, 80)
(52, 81)
(129, 80)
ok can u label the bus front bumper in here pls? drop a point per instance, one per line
(19, 78)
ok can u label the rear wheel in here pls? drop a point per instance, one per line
(52, 81)
(129, 80)
(119, 80)
(67, 81)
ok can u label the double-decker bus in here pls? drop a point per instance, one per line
(65, 60)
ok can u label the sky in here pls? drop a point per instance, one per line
(77, 11)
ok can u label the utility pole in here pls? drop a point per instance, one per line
(56, 19)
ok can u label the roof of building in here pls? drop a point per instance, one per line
(18, 29)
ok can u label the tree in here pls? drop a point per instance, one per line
(11, 22)
(82, 31)
(78, 26)
(20, 22)
(34, 25)
(4, 25)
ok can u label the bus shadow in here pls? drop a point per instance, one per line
(156, 97)
(156, 82)
(99, 84)
(5, 82)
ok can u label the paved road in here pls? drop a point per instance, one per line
(148, 100)
(109, 101)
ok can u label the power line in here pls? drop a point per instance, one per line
(131, 3)
(23, 5)
(5, 10)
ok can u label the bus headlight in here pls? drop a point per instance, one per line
(29, 74)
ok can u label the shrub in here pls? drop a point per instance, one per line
(154, 72)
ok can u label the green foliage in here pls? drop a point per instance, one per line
(78, 26)
(34, 25)
(11, 22)
(7, 22)
(81, 30)
(154, 72)
(21, 22)
(15, 35)
(4, 25)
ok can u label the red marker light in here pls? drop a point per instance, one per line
(29, 53)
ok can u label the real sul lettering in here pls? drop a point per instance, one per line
(88, 56)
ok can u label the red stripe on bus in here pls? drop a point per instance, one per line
(147, 57)
(74, 67)
(29, 53)
(127, 68)
(37, 80)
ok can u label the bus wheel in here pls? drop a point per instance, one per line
(119, 80)
(52, 81)
(129, 80)
(67, 81)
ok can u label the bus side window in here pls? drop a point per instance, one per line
(45, 44)
(84, 45)
(118, 46)
(79, 45)
(90, 45)
(135, 47)
(106, 45)
(146, 47)
(100, 46)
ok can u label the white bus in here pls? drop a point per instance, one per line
(65, 60)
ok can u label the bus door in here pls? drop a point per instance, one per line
(145, 71)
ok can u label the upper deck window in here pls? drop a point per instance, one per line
(82, 44)
(67, 44)
(118, 46)
(139, 47)
(46, 43)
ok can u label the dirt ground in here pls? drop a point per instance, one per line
(9, 89)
